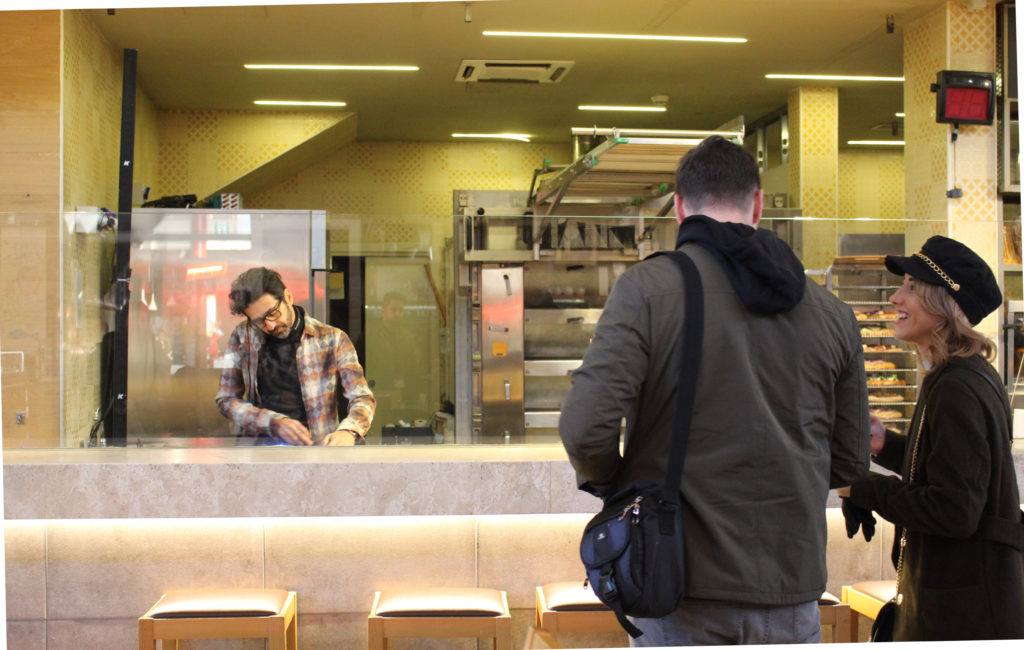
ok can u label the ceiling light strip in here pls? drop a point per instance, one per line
(303, 66)
(669, 133)
(640, 109)
(288, 102)
(833, 77)
(625, 37)
(521, 137)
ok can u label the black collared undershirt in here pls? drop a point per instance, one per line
(278, 374)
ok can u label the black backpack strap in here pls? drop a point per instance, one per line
(689, 365)
(627, 625)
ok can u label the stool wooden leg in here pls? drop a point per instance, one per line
(841, 631)
(855, 626)
(503, 634)
(292, 634)
(279, 639)
(146, 640)
(375, 634)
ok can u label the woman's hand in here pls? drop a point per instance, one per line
(843, 491)
(877, 435)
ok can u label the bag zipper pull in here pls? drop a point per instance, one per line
(632, 509)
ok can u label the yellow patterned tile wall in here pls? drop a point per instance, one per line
(92, 89)
(951, 37)
(814, 137)
(870, 186)
(924, 53)
(405, 186)
(201, 151)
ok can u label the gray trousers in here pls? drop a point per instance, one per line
(711, 622)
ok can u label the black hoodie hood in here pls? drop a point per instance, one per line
(762, 269)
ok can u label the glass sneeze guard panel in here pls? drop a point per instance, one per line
(410, 295)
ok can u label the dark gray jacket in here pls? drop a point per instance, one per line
(781, 412)
(958, 581)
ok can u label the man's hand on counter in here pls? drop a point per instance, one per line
(340, 438)
(292, 431)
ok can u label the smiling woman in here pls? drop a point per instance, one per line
(958, 451)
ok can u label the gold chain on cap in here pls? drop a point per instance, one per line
(942, 274)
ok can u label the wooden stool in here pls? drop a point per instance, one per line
(572, 607)
(440, 613)
(865, 599)
(836, 615)
(221, 614)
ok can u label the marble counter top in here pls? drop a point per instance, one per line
(298, 482)
(283, 482)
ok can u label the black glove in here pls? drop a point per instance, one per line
(857, 517)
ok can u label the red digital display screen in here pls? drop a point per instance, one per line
(966, 104)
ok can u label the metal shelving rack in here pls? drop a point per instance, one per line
(631, 164)
(863, 283)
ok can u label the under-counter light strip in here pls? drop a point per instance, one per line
(832, 77)
(303, 66)
(627, 37)
(647, 109)
(521, 137)
(891, 143)
(282, 102)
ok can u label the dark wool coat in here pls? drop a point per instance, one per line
(957, 583)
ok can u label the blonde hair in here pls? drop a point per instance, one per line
(953, 336)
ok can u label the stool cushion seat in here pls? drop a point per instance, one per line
(828, 599)
(571, 597)
(883, 590)
(217, 603)
(441, 601)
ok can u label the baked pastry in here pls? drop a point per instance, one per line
(878, 314)
(882, 348)
(886, 380)
(885, 397)
(881, 314)
(878, 364)
(876, 331)
(887, 414)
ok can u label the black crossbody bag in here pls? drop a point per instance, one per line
(633, 548)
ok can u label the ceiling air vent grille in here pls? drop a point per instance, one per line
(529, 72)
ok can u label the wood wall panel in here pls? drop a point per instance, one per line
(30, 173)
(29, 131)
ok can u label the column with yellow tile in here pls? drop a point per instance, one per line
(953, 37)
(814, 169)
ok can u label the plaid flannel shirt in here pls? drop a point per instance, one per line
(325, 358)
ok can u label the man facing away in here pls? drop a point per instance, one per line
(780, 414)
(287, 369)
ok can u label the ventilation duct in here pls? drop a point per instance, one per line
(529, 72)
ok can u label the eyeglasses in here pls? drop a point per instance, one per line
(273, 315)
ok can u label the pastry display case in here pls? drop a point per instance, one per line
(863, 282)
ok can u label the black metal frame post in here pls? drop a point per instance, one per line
(117, 434)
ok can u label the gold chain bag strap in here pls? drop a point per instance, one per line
(885, 620)
(903, 534)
